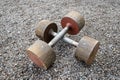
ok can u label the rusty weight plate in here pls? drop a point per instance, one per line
(43, 30)
(75, 20)
(87, 49)
(41, 54)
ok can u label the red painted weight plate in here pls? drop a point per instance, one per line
(76, 20)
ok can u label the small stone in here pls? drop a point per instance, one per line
(15, 64)
(0, 69)
(0, 15)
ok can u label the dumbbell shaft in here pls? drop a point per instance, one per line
(59, 35)
(68, 40)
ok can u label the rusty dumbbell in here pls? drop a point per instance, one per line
(41, 52)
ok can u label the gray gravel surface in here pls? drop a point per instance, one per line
(18, 19)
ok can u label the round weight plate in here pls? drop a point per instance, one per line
(41, 54)
(43, 30)
(87, 49)
(75, 20)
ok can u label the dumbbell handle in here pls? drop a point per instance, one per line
(59, 35)
(66, 39)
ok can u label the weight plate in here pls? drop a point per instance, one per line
(75, 20)
(87, 49)
(41, 54)
(43, 30)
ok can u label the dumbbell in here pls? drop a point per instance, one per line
(86, 48)
(40, 52)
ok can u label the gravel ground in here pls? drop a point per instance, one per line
(18, 19)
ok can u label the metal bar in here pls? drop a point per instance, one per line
(68, 40)
(58, 36)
